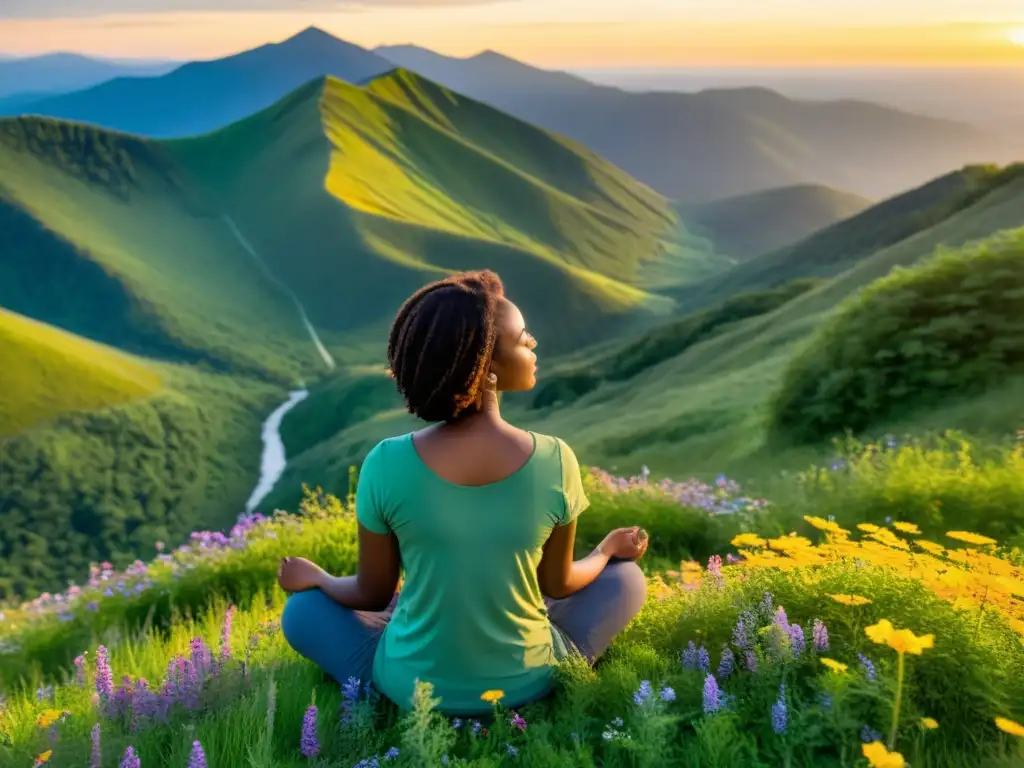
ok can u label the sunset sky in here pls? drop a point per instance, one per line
(559, 33)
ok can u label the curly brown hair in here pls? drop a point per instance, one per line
(441, 344)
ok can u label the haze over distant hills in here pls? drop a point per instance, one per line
(61, 72)
(693, 147)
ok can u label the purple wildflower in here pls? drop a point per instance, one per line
(308, 745)
(703, 660)
(779, 711)
(80, 671)
(797, 641)
(225, 635)
(349, 698)
(198, 757)
(820, 635)
(781, 620)
(867, 665)
(715, 569)
(690, 656)
(202, 658)
(391, 754)
(667, 694)
(728, 663)
(750, 660)
(476, 727)
(519, 721)
(767, 604)
(643, 693)
(869, 734)
(97, 752)
(712, 695)
(512, 751)
(742, 634)
(130, 759)
(456, 724)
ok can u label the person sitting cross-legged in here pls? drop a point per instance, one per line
(482, 517)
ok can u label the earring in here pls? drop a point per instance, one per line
(492, 380)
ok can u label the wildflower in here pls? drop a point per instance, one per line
(727, 664)
(869, 734)
(868, 665)
(104, 676)
(712, 695)
(492, 697)
(1009, 726)
(835, 666)
(748, 540)
(868, 527)
(349, 698)
(850, 600)
(476, 727)
(456, 724)
(750, 660)
(512, 751)
(900, 640)
(703, 659)
(519, 722)
(796, 639)
(643, 693)
(929, 723)
(690, 656)
(779, 711)
(80, 671)
(667, 694)
(829, 526)
(742, 632)
(130, 759)
(47, 718)
(198, 758)
(308, 744)
(715, 568)
(907, 528)
(819, 635)
(225, 635)
(781, 620)
(97, 753)
(971, 538)
(879, 757)
(767, 604)
(444, 759)
(391, 754)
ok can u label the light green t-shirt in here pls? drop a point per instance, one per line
(470, 617)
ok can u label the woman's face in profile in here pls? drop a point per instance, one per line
(514, 361)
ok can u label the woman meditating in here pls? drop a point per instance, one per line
(482, 516)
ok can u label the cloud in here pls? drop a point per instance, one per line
(62, 9)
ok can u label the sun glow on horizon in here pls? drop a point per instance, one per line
(1016, 36)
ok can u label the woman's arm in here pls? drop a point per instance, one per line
(370, 589)
(560, 576)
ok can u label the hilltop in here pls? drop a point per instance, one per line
(750, 225)
(693, 147)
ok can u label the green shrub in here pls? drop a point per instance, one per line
(952, 326)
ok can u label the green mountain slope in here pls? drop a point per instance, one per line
(835, 249)
(702, 405)
(749, 225)
(47, 372)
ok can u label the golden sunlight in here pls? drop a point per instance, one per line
(1016, 36)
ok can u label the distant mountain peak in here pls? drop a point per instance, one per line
(312, 33)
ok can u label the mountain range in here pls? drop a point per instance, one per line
(690, 147)
(62, 72)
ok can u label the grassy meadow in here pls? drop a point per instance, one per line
(767, 644)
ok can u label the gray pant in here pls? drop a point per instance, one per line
(343, 642)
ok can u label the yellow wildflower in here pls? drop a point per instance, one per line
(900, 640)
(492, 697)
(930, 723)
(824, 525)
(880, 757)
(907, 528)
(45, 757)
(930, 546)
(47, 718)
(835, 666)
(748, 540)
(970, 538)
(868, 527)
(1010, 727)
(1017, 626)
(850, 599)
(790, 542)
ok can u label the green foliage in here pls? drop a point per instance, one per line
(952, 326)
(629, 358)
(106, 485)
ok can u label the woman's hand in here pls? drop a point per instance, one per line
(625, 543)
(297, 574)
